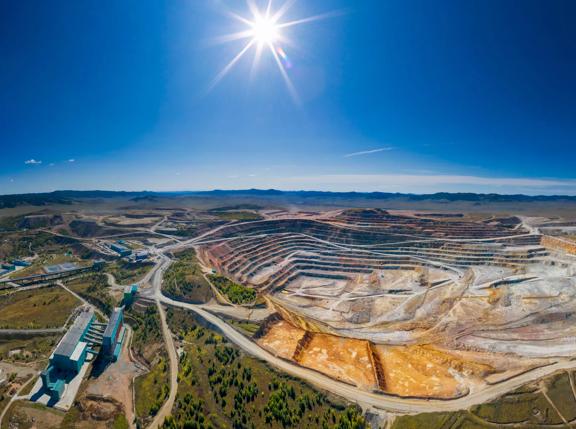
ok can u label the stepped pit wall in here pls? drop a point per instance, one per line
(557, 243)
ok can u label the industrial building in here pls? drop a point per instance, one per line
(8, 267)
(129, 294)
(61, 268)
(114, 335)
(98, 264)
(71, 353)
(84, 341)
(120, 249)
(141, 255)
(21, 263)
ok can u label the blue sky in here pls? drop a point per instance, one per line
(394, 95)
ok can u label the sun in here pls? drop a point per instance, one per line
(263, 33)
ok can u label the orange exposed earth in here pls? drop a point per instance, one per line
(418, 370)
(344, 359)
(283, 339)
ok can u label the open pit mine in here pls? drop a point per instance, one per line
(407, 304)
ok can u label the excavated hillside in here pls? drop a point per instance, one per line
(407, 304)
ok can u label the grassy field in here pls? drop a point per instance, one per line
(15, 381)
(94, 288)
(221, 387)
(9, 223)
(147, 333)
(236, 293)
(4, 397)
(526, 408)
(151, 389)
(120, 422)
(27, 415)
(89, 415)
(51, 250)
(17, 245)
(246, 328)
(35, 309)
(31, 349)
(126, 273)
(184, 279)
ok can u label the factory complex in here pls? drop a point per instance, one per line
(86, 341)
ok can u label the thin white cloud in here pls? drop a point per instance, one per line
(32, 161)
(71, 160)
(367, 152)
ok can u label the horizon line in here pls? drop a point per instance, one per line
(239, 190)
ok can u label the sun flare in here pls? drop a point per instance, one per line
(264, 33)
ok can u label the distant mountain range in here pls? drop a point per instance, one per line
(69, 197)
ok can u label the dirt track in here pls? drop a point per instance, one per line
(369, 399)
(166, 410)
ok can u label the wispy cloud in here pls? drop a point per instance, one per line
(71, 160)
(367, 152)
(32, 161)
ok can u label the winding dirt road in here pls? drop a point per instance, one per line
(155, 277)
(364, 398)
(166, 409)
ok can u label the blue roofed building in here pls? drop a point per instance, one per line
(142, 255)
(54, 381)
(114, 335)
(129, 294)
(121, 250)
(69, 356)
(8, 267)
(98, 264)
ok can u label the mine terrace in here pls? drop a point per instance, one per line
(408, 304)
